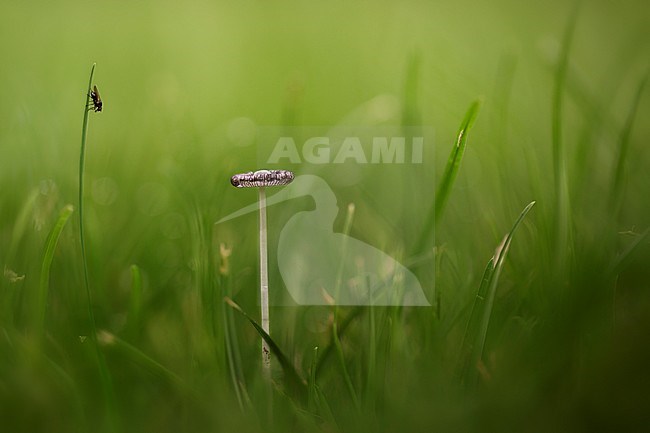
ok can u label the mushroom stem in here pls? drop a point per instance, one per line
(264, 281)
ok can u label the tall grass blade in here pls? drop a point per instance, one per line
(233, 356)
(107, 385)
(449, 176)
(371, 379)
(624, 146)
(82, 237)
(558, 93)
(294, 382)
(48, 256)
(453, 163)
(312, 395)
(335, 333)
(471, 330)
(473, 348)
(135, 303)
(559, 163)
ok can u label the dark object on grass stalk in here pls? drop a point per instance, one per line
(105, 376)
(95, 102)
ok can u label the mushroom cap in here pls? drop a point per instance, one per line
(262, 178)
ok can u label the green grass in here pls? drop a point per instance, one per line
(473, 347)
(112, 418)
(48, 255)
(126, 329)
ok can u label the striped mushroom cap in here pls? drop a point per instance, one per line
(262, 178)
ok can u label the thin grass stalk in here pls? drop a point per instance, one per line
(335, 333)
(448, 177)
(371, 389)
(107, 385)
(264, 283)
(623, 148)
(312, 395)
(559, 163)
(232, 354)
(82, 237)
(135, 303)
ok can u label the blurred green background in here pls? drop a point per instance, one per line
(567, 341)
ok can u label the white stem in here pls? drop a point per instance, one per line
(264, 281)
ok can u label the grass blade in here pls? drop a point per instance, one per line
(449, 175)
(335, 333)
(453, 163)
(294, 382)
(558, 93)
(471, 330)
(107, 384)
(559, 164)
(312, 395)
(48, 256)
(108, 339)
(135, 303)
(82, 169)
(623, 258)
(233, 356)
(479, 321)
(624, 145)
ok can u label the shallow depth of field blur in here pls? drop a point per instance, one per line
(185, 83)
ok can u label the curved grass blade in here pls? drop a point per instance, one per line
(50, 247)
(473, 347)
(623, 258)
(471, 330)
(108, 339)
(294, 382)
(449, 176)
